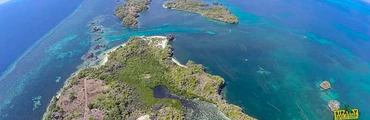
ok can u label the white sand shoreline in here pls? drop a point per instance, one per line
(144, 117)
(162, 44)
(178, 63)
(105, 55)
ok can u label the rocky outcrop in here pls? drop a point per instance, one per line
(91, 56)
(170, 37)
(325, 85)
(334, 105)
(97, 39)
(95, 29)
(93, 22)
(98, 47)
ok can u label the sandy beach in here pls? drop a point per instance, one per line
(163, 45)
(103, 58)
(105, 55)
(178, 63)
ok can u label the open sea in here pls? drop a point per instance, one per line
(272, 61)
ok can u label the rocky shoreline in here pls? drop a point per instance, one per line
(126, 81)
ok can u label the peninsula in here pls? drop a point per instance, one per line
(214, 11)
(129, 11)
(122, 87)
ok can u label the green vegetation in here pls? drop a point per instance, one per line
(134, 70)
(130, 10)
(215, 12)
(118, 103)
(72, 97)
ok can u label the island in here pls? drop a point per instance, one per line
(129, 11)
(215, 11)
(123, 87)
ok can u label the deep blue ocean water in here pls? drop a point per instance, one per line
(297, 43)
(26, 21)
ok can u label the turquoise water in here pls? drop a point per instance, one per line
(272, 61)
